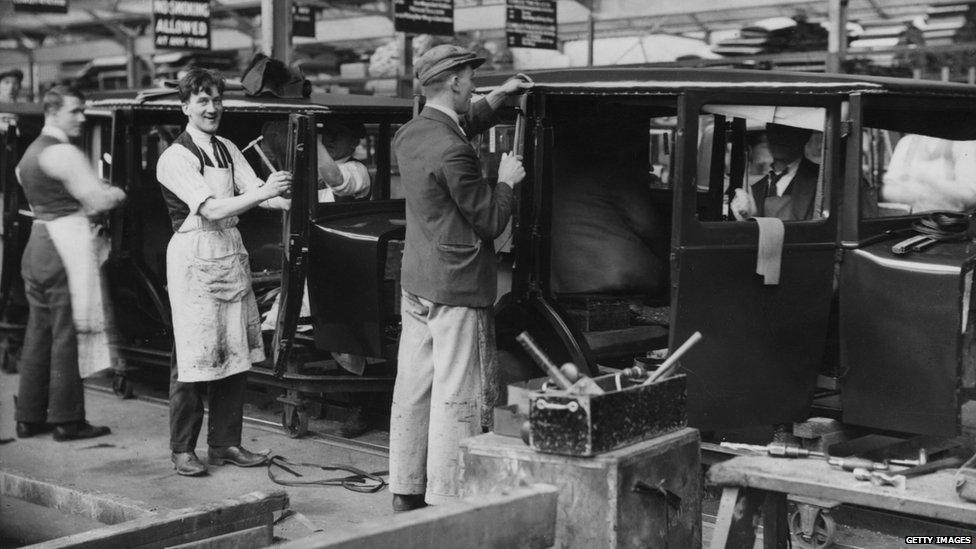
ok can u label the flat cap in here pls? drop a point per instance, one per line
(16, 73)
(443, 58)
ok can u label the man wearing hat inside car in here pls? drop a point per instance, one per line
(449, 276)
(788, 191)
(9, 89)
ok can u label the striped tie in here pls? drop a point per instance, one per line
(219, 155)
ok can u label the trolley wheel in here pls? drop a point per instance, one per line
(819, 532)
(294, 419)
(121, 386)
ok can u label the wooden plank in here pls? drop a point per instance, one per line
(181, 525)
(776, 530)
(931, 496)
(101, 508)
(524, 518)
(723, 522)
(251, 538)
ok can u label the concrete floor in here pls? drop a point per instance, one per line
(133, 463)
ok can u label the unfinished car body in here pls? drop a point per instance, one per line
(625, 241)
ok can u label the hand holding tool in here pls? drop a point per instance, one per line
(257, 149)
(664, 370)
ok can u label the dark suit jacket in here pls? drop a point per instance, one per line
(802, 189)
(452, 214)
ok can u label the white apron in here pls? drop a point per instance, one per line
(83, 251)
(216, 324)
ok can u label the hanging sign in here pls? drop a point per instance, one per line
(181, 24)
(424, 17)
(41, 6)
(303, 20)
(531, 24)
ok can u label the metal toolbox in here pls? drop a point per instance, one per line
(584, 425)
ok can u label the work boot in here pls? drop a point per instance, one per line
(355, 423)
(188, 464)
(408, 502)
(78, 430)
(26, 429)
(235, 455)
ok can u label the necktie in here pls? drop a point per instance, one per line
(218, 154)
(774, 178)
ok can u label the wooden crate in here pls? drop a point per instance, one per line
(644, 495)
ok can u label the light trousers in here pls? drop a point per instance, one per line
(445, 353)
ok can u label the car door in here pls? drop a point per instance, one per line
(763, 343)
(906, 326)
(300, 161)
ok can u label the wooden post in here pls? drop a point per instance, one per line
(276, 29)
(590, 37)
(837, 38)
(404, 84)
(131, 63)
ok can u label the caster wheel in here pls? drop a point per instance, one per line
(816, 530)
(294, 419)
(121, 387)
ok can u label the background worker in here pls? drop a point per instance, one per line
(207, 183)
(62, 190)
(10, 82)
(788, 191)
(449, 276)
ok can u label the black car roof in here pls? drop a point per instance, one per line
(236, 99)
(676, 80)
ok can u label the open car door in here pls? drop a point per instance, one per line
(763, 343)
(300, 161)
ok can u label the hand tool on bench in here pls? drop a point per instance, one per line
(852, 463)
(664, 370)
(585, 385)
(775, 449)
(898, 478)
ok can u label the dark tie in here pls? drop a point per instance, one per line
(218, 154)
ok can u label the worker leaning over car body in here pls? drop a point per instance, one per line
(207, 183)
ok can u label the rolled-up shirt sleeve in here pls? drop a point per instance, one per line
(355, 180)
(178, 170)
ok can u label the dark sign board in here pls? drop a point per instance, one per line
(41, 6)
(181, 24)
(303, 20)
(424, 17)
(531, 24)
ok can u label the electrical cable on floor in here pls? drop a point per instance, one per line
(358, 481)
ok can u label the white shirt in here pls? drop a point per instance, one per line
(783, 182)
(178, 169)
(56, 133)
(450, 113)
(355, 181)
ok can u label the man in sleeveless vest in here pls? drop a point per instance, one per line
(207, 183)
(445, 364)
(62, 188)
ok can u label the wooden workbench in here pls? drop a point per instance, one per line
(764, 482)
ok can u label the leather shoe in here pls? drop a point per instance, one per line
(78, 430)
(355, 423)
(188, 464)
(235, 455)
(408, 502)
(26, 429)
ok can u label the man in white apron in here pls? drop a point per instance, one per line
(60, 268)
(207, 183)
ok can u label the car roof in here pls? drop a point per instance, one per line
(677, 80)
(236, 99)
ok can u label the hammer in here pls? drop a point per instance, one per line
(254, 144)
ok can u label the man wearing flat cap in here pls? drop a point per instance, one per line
(449, 276)
(10, 81)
